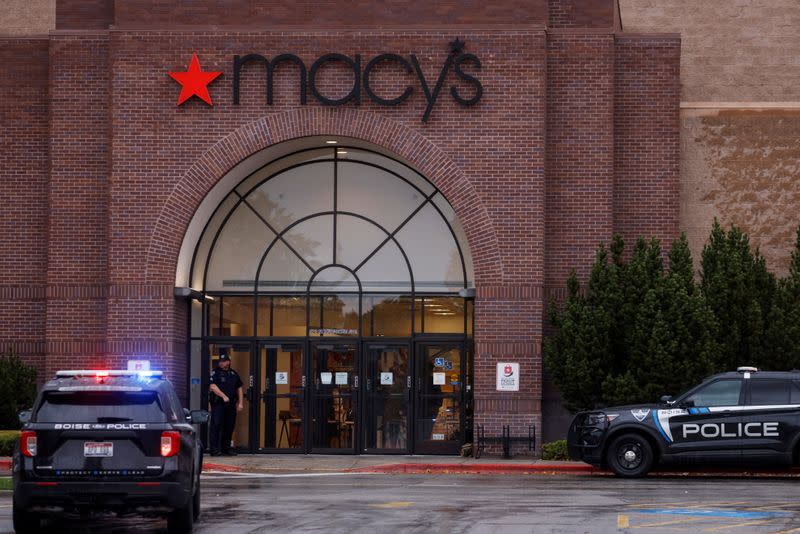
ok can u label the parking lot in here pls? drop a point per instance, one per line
(346, 502)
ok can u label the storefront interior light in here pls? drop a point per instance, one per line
(331, 142)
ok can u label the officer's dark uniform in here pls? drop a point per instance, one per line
(223, 414)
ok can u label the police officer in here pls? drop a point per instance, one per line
(226, 398)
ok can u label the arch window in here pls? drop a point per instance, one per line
(333, 222)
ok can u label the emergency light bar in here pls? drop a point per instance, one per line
(104, 374)
(747, 369)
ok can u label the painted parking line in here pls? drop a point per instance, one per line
(393, 504)
(688, 504)
(737, 525)
(671, 522)
(716, 513)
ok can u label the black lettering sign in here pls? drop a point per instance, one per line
(460, 60)
(371, 65)
(239, 62)
(355, 92)
(456, 61)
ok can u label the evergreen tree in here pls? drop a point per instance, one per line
(782, 344)
(638, 332)
(575, 355)
(740, 291)
(680, 263)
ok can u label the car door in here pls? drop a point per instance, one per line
(704, 425)
(769, 419)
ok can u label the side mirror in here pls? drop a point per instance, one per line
(187, 414)
(199, 417)
(25, 416)
(689, 403)
(667, 399)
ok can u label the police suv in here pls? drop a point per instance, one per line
(108, 441)
(740, 418)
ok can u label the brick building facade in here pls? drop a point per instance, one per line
(575, 137)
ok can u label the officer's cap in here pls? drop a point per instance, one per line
(224, 357)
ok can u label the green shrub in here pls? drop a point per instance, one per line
(555, 450)
(17, 388)
(8, 439)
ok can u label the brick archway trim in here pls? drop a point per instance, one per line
(178, 210)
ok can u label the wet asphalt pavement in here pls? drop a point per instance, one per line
(472, 503)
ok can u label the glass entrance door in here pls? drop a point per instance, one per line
(334, 377)
(387, 396)
(281, 382)
(241, 362)
(439, 417)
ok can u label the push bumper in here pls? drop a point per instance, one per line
(586, 436)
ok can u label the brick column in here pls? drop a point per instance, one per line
(77, 275)
(647, 137)
(23, 181)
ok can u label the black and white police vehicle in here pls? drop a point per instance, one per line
(100, 442)
(741, 418)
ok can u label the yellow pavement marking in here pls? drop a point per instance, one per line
(659, 504)
(673, 522)
(622, 521)
(5, 506)
(737, 525)
(779, 506)
(712, 504)
(393, 504)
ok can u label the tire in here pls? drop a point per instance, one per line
(196, 503)
(25, 522)
(630, 456)
(181, 520)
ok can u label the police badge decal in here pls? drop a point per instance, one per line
(640, 413)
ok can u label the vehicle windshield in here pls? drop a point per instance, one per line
(724, 392)
(100, 407)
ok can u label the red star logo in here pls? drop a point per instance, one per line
(195, 82)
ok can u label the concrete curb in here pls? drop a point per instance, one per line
(209, 466)
(5, 465)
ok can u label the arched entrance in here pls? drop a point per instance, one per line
(339, 281)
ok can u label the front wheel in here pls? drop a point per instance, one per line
(630, 456)
(24, 522)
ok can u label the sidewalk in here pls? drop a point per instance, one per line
(401, 464)
(299, 463)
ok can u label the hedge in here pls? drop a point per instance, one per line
(8, 440)
(555, 450)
